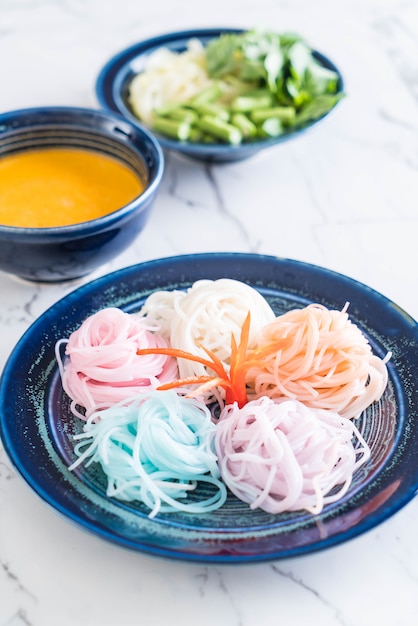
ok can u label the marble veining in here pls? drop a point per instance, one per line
(343, 196)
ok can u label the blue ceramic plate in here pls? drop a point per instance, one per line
(114, 79)
(36, 425)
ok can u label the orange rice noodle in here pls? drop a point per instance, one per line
(208, 313)
(329, 363)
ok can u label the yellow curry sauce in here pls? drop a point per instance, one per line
(51, 187)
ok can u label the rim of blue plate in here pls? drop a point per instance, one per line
(116, 73)
(33, 415)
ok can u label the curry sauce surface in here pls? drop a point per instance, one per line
(53, 187)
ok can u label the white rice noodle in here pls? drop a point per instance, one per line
(207, 314)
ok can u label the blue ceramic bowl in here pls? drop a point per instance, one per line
(113, 82)
(70, 252)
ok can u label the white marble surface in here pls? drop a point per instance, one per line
(344, 197)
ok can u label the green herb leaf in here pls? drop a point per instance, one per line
(317, 108)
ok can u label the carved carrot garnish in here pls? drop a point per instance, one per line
(233, 381)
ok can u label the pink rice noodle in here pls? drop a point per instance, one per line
(328, 364)
(101, 366)
(283, 456)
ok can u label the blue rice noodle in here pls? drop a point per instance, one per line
(155, 450)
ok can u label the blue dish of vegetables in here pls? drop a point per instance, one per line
(38, 428)
(221, 94)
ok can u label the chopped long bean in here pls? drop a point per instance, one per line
(249, 103)
(286, 115)
(212, 93)
(244, 124)
(223, 130)
(215, 109)
(182, 114)
(172, 128)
